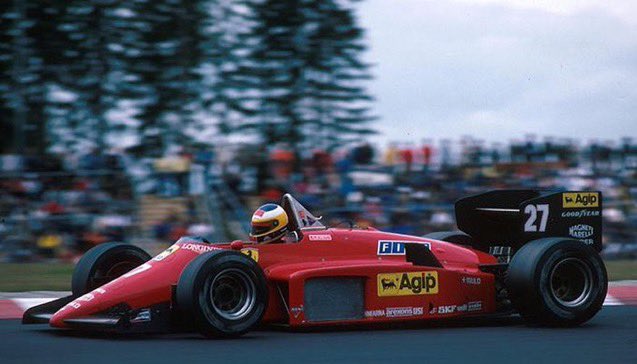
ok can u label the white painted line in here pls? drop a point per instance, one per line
(493, 209)
(623, 283)
(26, 303)
(612, 301)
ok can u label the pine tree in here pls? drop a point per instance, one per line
(302, 77)
(169, 69)
(92, 77)
(227, 39)
(85, 73)
(8, 16)
(24, 73)
(338, 103)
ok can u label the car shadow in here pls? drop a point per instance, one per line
(451, 323)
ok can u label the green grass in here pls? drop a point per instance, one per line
(18, 277)
(621, 269)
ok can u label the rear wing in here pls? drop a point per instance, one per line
(515, 217)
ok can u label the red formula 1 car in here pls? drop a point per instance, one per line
(522, 251)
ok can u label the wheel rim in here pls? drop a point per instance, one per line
(106, 274)
(232, 294)
(571, 282)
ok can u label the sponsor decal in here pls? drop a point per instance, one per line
(389, 247)
(395, 312)
(407, 283)
(85, 298)
(403, 311)
(166, 253)
(296, 311)
(252, 253)
(443, 310)
(581, 213)
(259, 213)
(142, 316)
(321, 237)
(199, 248)
(474, 306)
(462, 308)
(375, 313)
(573, 200)
(580, 231)
(472, 280)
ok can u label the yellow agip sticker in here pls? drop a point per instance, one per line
(574, 200)
(407, 283)
(252, 253)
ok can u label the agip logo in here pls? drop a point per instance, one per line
(252, 253)
(407, 283)
(574, 200)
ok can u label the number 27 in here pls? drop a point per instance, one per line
(532, 211)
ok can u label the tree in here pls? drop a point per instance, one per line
(129, 70)
(94, 76)
(302, 76)
(84, 74)
(8, 16)
(339, 104)
(169, 68)
(227, 40)
(24, 74)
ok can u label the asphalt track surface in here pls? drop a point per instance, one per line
(611, 337)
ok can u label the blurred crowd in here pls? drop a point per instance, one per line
(60, 206)
(411, 189)
(57, 206)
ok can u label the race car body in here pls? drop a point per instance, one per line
(326, 276)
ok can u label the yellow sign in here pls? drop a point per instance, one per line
(407, 283)
(574, 200)
(252, 253)
(166, 253)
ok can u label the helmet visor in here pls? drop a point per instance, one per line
(260, 228)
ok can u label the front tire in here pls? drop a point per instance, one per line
(103, 263)
(222, 294)
(557, 282)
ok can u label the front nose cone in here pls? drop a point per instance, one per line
(62, 314)
(81, 307)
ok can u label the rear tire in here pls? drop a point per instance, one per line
(222, 294)
(104, 263)
(557, 282)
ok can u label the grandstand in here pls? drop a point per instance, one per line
(57, 208)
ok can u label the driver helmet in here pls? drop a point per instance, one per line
(269, 223)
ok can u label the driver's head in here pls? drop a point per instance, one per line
(269, 224)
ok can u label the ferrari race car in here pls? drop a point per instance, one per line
(520, 251)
